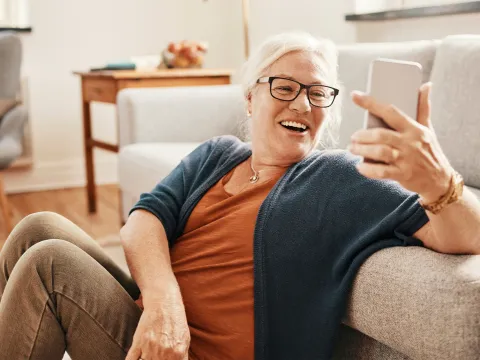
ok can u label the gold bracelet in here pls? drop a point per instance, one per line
(454, 192)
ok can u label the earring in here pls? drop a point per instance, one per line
(249, 114)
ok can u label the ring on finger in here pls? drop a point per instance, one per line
(395, 154)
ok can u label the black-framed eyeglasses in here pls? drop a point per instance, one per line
(288, 90)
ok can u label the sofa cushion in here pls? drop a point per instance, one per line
(141, 166)
(455, 104)
(352, 344)
(476, 191)
(353, 66)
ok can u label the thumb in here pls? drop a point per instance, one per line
(423, 112)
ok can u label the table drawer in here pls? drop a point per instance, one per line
(102, 90)
(171, 82)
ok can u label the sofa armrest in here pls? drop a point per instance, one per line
(179, 114)
(12, 126)
(419, 302)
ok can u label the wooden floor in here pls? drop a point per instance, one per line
(71, 203)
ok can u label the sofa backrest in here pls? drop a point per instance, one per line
(10, 64)
(353, 65)
(195, 114)
(179, 114)
(456, 103)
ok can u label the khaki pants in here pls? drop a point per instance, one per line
(60, 292)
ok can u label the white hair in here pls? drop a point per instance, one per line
(272, 49)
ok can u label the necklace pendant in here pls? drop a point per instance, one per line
(254, 179)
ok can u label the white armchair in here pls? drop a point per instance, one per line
(162, 125)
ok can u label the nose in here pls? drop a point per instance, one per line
(301, 103)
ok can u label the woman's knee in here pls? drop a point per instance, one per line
(47, 256)
(37, 227)
(31, 230)
(39, 224)
(61, 267)
(50, 267)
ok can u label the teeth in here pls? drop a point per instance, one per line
(294, 124)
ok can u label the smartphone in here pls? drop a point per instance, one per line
(394, 82)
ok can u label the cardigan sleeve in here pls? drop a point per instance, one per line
(377, 208)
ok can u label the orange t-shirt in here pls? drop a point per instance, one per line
(213, 264)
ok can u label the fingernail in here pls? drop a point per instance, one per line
(357, 93)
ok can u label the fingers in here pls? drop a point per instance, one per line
(134, 353)
(150, 348)
(378, 135)
(379, 171)
(423, 112)
(390, 114)
(381, 153)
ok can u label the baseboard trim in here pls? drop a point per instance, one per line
(61, 175)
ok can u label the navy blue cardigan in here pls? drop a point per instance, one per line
(318, 224)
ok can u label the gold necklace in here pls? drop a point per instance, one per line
(254, 178)
(256, 174)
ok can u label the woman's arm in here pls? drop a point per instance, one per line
(410, 154)
(153, 220)
(455, 229)
(162, 330)
(146, 249)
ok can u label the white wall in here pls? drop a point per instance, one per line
(220, 22)
(418, 28)
(321, 18)
(76, 35)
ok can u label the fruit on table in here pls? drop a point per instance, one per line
(185, 54)
(173, 48)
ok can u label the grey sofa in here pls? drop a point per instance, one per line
(13, 114)
(406, 303)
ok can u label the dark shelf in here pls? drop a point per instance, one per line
(16, 29)
(449, 9)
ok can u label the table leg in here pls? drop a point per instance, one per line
(5, 207)
(89, 169)
(120, 207)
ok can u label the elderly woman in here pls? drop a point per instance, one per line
(243, 251)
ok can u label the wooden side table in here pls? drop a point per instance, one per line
(103, 86)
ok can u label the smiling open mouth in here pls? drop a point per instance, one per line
(294, 126)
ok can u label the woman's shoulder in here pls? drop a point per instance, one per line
(228, 141)
(338, 167)
(219, 149)
(224, 142)
(332, 166)
(338, 158)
